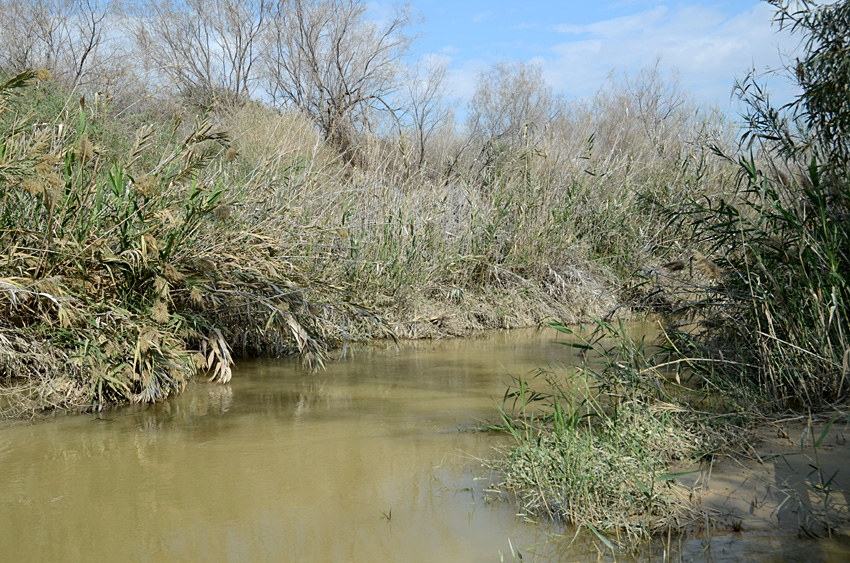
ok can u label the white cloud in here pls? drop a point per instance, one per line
(708, 48)
(568, 28)
(481, 16)
(639, 22)
(461, 80)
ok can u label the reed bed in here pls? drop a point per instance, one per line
(598, 444)
(147, 242)
(124, 275)
(772, 322)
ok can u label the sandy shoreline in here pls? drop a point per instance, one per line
(788, 500)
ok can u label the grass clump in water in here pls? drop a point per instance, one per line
(610, 475)
(595, 448)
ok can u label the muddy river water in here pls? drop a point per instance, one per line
(369, 460)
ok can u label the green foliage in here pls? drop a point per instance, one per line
(594, 442)
(129, 267)
(782, 308)
(822, 110)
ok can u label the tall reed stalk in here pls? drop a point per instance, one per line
(776, 324)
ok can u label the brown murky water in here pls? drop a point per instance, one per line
(369, 460)
(366, 461)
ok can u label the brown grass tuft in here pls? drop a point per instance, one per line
(85, 149)
(145, 186)
(159, 312)
(35, 186)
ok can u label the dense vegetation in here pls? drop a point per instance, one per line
(765, 330)
(783, 243)
(303, 188)
(153, 230)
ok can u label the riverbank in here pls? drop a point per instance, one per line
(791, 479)
(765, 334)
(625, 444)
(148, 241)
(48, 380)
(778, 496)
(145, 248)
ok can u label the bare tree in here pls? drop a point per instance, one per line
(655, 99)
(328, 59)
(642, 109)
(30, 33)
(67, 37)
(511, 101)
(203, 47)
(426, 108)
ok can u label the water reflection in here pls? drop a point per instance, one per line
(361, 462)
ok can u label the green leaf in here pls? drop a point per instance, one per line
(671, 476)
(560, 327)
(599, 535)
(21, 80)
(576, 345)
(826, 430)
(640, 485)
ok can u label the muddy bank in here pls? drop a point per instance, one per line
(795, 479)
(787, 497)
(440, 313)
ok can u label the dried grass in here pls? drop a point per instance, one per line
(243, 232)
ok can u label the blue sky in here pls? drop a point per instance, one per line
(708, 42)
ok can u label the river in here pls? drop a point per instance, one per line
(372, 459)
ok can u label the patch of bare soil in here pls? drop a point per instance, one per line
(789, 500)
